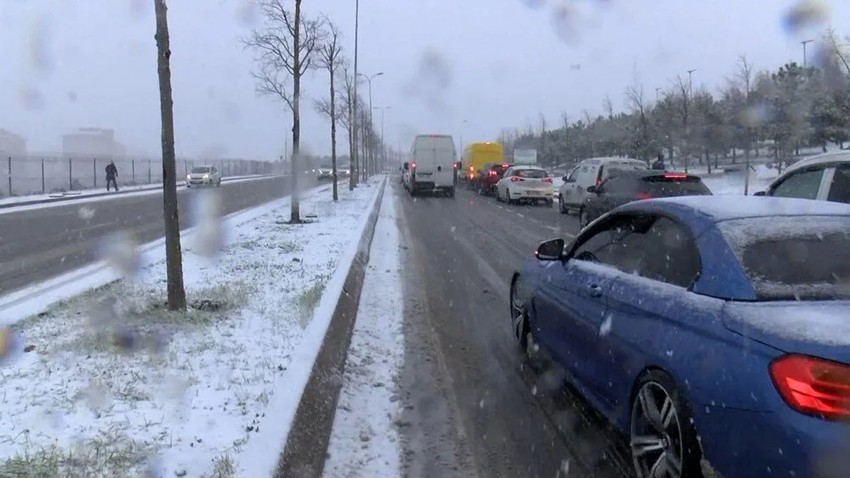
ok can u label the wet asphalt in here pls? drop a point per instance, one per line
(38, 244)
(474, 404)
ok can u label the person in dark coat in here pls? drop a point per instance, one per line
(111, 175)
(658, 164)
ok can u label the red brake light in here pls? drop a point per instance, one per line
(492, 173)
(471, 169)
(598, 181)
(506, 165)
(643, 196)
(515, 179)
(547, 180)
(675, 176)
(412, 165)
(813, 386)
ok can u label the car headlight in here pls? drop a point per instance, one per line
(206, 176)
(188, 177)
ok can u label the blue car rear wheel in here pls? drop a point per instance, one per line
(662, 438)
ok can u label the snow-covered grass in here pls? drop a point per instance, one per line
(115, 385)
(365, 439)
(733, 182)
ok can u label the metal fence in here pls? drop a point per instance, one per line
(23, 175)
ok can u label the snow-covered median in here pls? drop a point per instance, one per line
(365, 439)
(115, 385)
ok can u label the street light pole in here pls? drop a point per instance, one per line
(354, 160)
(690, 80)
(371, 151)
(804, 43)
(383, 142)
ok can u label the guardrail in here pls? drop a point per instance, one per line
(25, 175)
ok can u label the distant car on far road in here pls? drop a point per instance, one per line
(325, 172)
(627, 186)
(203, 176)
(825, 177)
(525, 183)
(591, 172)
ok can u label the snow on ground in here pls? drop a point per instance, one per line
(7, 205)
(733, 182)
(365, 441)
(111, 383)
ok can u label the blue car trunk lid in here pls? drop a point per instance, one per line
(816, 328)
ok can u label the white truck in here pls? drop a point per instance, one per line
(432, 165)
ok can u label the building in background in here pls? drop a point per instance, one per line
(92, 142)
(12, 144)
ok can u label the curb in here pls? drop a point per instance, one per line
(306, 446)
(119, 193)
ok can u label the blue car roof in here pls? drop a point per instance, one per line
(722, 275)
(712, 209)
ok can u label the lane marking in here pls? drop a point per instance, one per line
(520, 215)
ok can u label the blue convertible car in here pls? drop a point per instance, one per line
(713, 332)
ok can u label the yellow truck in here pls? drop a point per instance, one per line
(477, 155)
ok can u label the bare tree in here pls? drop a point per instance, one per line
(837, 49)
(284, 48)
(348, 120)
(173, 254)
(744, 76)
(330, 56)
(639, 106)
(684, 89)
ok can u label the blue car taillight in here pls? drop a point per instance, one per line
(813, 386)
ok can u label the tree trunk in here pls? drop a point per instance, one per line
(295, 208)
(333, 133)
(173, 255)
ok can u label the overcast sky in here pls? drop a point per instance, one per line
(462, 67)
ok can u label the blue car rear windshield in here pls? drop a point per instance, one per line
(793, 257)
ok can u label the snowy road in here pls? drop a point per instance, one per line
(473, 406)
(43, 242)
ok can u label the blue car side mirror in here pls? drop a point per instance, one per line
(551, 250)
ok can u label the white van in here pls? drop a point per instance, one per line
(591, 172)
(432, 165)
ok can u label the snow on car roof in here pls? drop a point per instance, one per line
(830, 157)
(722, 208)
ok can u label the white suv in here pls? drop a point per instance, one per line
(825, 177)
(591, 172)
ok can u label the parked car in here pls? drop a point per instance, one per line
(433, 165)
(704, 328)
(525, 183)
(203, 176)
(490, 175)
(825, 177)
(628, 186)
(591, 172)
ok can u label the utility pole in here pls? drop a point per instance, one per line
(804, 43)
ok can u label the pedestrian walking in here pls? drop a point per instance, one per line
(111, 175)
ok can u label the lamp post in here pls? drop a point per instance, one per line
(690, 80)
(383, 143)
(804, 43)
(369, 79)
(355, 162)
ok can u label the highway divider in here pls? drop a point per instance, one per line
(307, 441)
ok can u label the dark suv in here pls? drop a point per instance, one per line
(489, 175)
(627, 186)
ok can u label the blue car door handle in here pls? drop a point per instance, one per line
(594, 290)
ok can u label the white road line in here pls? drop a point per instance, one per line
(520, 215)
